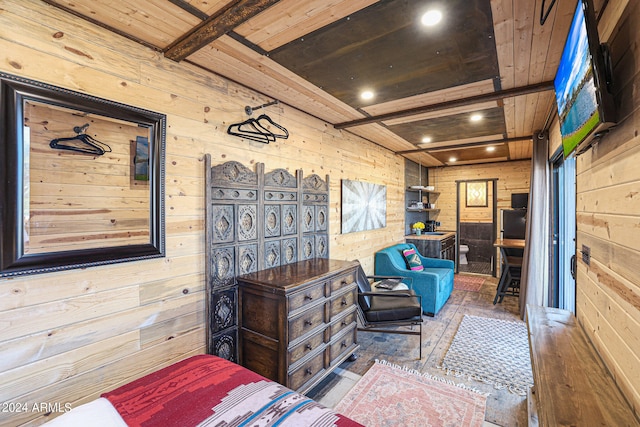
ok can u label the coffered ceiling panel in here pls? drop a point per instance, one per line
(386, 49)
(479, 154)
(447, 128)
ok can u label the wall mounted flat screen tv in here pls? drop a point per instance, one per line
(585, 105)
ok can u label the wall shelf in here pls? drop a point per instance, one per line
(416, 190)
(422, 210)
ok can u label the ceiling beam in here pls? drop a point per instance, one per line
(493, 96)
(465, 144)
(217, 25)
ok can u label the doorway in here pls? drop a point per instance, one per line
(562, 286)
(476, 226)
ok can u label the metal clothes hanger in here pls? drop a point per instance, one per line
(255, 130)
(250, 129)
(81, 143)
(285, 132)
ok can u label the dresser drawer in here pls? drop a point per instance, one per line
(341, 303)
(343, 323)
(341, 281)
(306, 322)
(343, 343)
(307, 371)
(307, 296)
(306, 347)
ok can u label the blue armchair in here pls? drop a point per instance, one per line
(434, 283)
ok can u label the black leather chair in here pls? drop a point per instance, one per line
(386, 310)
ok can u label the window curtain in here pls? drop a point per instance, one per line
(535, 263)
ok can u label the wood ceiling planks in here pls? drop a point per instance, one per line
(209, 7)
(292, 19)
(520, 150)
(526, 54)
(138, 20)
(232, 59)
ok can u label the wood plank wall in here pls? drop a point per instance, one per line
(513, 177)
(608, 220)
(68, 336)
(65, 212)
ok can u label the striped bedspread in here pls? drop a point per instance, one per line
(207, 390)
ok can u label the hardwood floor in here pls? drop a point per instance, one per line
(503, 407)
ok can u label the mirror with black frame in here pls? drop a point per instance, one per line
(82, 179)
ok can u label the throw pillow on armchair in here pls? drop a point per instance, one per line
(413, 260)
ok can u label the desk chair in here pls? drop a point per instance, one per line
(509, 283)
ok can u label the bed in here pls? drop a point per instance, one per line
(202, 390)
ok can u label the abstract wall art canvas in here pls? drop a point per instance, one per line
(364, 206)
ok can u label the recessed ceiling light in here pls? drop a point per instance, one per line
(491, 149)
(452, 159)
(426, 139)
(431, 18)
(476, 117)
(367, 95)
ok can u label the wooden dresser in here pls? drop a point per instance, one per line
(298, 321)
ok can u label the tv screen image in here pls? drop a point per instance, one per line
(584, 106)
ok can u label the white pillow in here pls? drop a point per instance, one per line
(97, 413)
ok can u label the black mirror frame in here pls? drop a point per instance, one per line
(14, 91)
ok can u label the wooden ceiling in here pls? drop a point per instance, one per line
(488, 57)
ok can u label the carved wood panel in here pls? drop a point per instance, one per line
(289, 220)
(254, 221)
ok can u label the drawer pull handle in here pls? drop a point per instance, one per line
(308, 346)
(308, 297)
(344, 323)
(344, 301)
(308, 322)
(308, 371)
(343, 344)
(344, 282)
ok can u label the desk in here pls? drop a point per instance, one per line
(507, 261)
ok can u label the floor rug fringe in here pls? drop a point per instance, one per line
(432, 377)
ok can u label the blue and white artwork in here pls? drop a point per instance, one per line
(364, 206)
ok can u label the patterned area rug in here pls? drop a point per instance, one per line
(391, 395)
(468, 283)
(493, 351)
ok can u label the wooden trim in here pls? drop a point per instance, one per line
(467, 144)
(215, 26)
(498, 95)
(240, 39)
